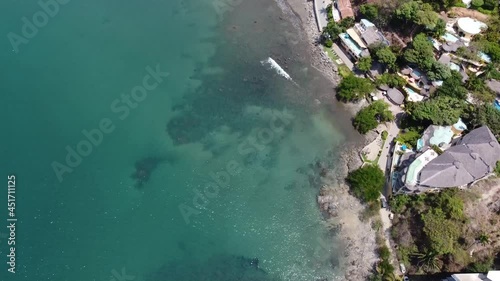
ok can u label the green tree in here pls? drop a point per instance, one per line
(490, 4)
(387, 57)
(408, 11)
(367, 182)
(368, 118)
(391, 80)
(427, 17)
(492, 49)
(332, 30)
(353, 88)
(442, 234)
(416, 12)
(440, 28)
(437, 70)
(365, 63)
(442, 110)
(477, 3)
(370, 11)
(487, 115)
(428, 260)
(452, 87)
(421, 52)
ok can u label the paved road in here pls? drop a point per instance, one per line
(342, 56)
(320, 12)
(392, 131)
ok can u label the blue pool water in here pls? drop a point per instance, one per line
(349, 42)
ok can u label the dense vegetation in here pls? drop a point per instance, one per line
(430, 230)
(353, 88)
(369, 117)
(367, 182)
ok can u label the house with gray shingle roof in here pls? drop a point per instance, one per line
(469, 159)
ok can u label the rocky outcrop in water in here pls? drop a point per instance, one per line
(143, 170)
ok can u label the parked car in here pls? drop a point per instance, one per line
(403, 268)
(383, 201)
(405, 278)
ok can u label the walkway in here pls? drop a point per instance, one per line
(320, 12)
(386, 229)
(345, 59)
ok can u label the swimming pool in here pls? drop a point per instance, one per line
(454, 66)
(448, 37)
(412, 95)
(353, 46)
(496, 103)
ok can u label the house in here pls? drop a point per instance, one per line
(352, 47)
(357, 39)
(440, 136)
(493, 275)
(376, 70)
(467, 160)
(494, 86)
(446, 59)
(468, 27)
(395, 96)
(369, 33)
(345, 9)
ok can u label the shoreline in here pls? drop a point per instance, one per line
(343, 211)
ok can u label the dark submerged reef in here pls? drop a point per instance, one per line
(143, 170)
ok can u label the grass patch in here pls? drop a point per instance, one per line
(330, 53)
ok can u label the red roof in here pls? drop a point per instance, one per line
(345, 8)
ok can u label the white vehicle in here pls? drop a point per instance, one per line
(405, 278)
(403, 268)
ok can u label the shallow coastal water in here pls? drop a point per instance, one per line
(213, 172)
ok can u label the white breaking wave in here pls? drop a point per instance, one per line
(274, 65)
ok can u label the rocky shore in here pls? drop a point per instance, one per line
(342, 210)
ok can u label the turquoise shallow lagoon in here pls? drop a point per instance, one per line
(211, 174)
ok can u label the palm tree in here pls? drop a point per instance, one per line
(428, 260)
(484, 239)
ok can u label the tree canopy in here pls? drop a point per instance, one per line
(442, 110)
(368, 118)
(442, 234)
(365, 63)
(386, 56)
(421, 52)
(391, 80)
(353, 88)
(367, 182)
(453, 87)
(486, 114)
(370, 11)
(418, 13)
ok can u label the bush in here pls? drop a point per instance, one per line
(437, 149)
(497, 169)
(384, 135)
(398, 203)
(384, 252)
(328, 43)
(367, 182)
(477, 3)
(409, 138)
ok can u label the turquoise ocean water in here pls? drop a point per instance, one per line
(210, 173)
